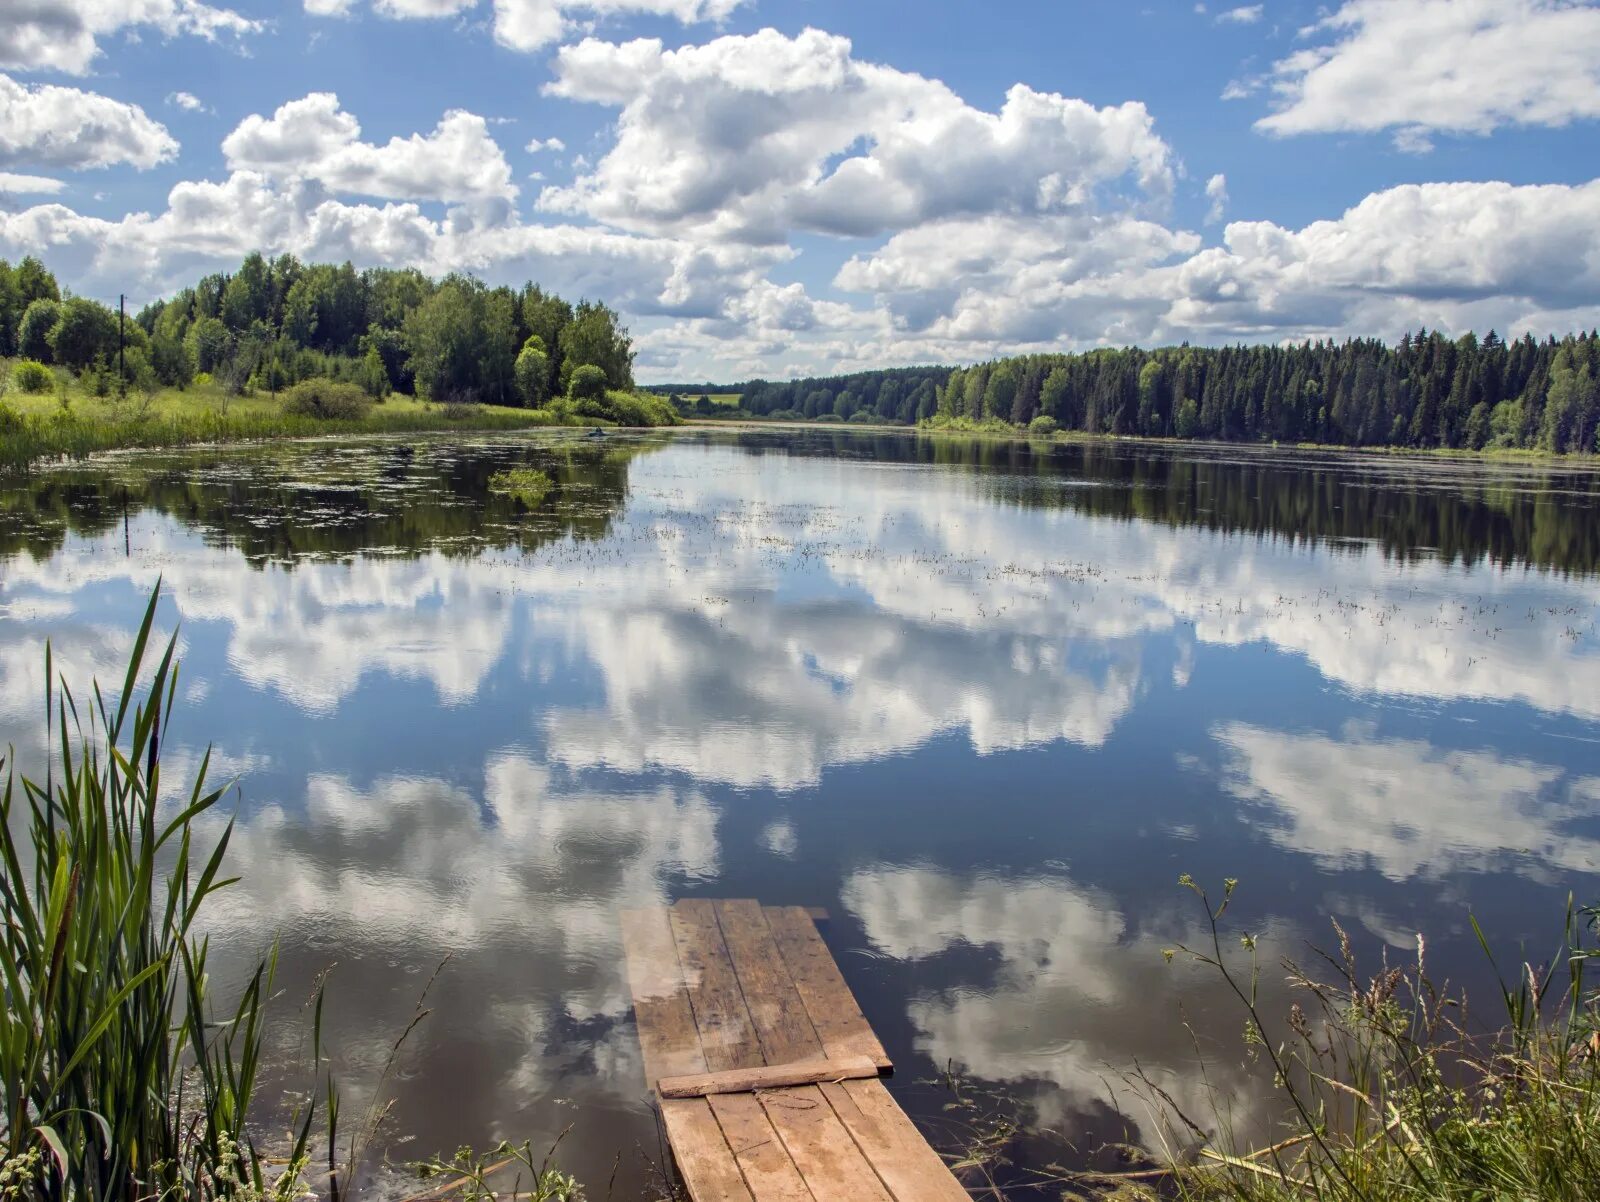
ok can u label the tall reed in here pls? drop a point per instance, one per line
(119, 1076)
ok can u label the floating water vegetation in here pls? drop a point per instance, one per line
(525, 484)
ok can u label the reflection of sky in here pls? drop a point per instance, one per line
(988, 737)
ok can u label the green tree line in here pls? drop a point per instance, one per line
(905, 395)
(274, 323)
(1427, 391)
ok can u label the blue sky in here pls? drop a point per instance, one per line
(769, 188)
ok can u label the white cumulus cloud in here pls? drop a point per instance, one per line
(534, 24)
(66, 128)
(751, 137)
(1456, 66)
(64, 35)
(14, 183)
(313, 138)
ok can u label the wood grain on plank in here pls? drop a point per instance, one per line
(832, 1008)
(827, 1157)
(710, 1170)
(912, 1171)
(782, 1024)
(727, 1036)
(671, 1043)
(763, 1159)
(667, 1033)
(768, 1076)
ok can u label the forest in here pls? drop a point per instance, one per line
(275, 323)
(1427, 391)
(901, 395)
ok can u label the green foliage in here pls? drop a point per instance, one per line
(84, 331)
(209, 344)
(533, 372)
(1043, 426)
(327, 400)
(595, 337)
(527, 485)
(588, 383)
(33, 333)
(461, 343)
(119, 1076)
(31, 376)
(277, 322)
(1390, 1095)
(474, 1177)
(905, 395)
(374, 377)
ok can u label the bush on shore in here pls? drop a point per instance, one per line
(33, 377)
(327, 400)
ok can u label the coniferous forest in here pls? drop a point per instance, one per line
(1429, 391)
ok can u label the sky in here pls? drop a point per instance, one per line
(783, 187)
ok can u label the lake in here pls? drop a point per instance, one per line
(983, 702)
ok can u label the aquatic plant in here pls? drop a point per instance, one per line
(526, 484)
(120, 1077)
(1392, 1094)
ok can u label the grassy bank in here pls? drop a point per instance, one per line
(75, 423)
(993, 428)
(1392, 1088)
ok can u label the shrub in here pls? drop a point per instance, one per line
(327, 400)
(34, 377)
(588, 381)
(1043, 425)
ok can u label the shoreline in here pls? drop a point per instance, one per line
(1501, 455)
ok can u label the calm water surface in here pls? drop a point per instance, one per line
(982, 703)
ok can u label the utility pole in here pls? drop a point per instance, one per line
(122, 345)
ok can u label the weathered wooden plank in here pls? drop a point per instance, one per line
(821, 1147)
(782, 1024)
(710, 1169)
(727, 1035)
(728, 1041)
(733, 996)
(670, 1043)
(769, 1076)
(667, 1033)
(769, 1171)
(832, 1008)
(912, 1171)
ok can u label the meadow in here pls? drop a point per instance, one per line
(70, 421)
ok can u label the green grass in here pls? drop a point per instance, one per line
(1391, 1091)
(37, 427)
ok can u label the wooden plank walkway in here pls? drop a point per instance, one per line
(771, 1091)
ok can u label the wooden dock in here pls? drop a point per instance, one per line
(763, 1066)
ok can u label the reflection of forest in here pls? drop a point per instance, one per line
(1543, 515)
(278, 504)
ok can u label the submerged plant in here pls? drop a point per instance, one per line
(119, 1078)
